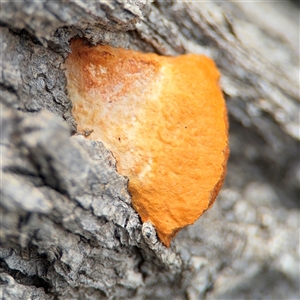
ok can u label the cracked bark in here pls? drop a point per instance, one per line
(68, 230)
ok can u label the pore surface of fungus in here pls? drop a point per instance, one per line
(165, 121)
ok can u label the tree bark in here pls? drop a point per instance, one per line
(68, 230)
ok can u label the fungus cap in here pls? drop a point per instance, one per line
(165, 121)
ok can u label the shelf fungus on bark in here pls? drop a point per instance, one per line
(165, 121)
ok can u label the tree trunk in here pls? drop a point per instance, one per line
(68, 230)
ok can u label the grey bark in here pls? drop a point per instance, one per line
(68, 230)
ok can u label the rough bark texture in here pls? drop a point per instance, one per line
(68, 230)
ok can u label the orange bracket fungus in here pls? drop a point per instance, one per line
(165, 121)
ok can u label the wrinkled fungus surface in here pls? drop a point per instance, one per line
(165, 121)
